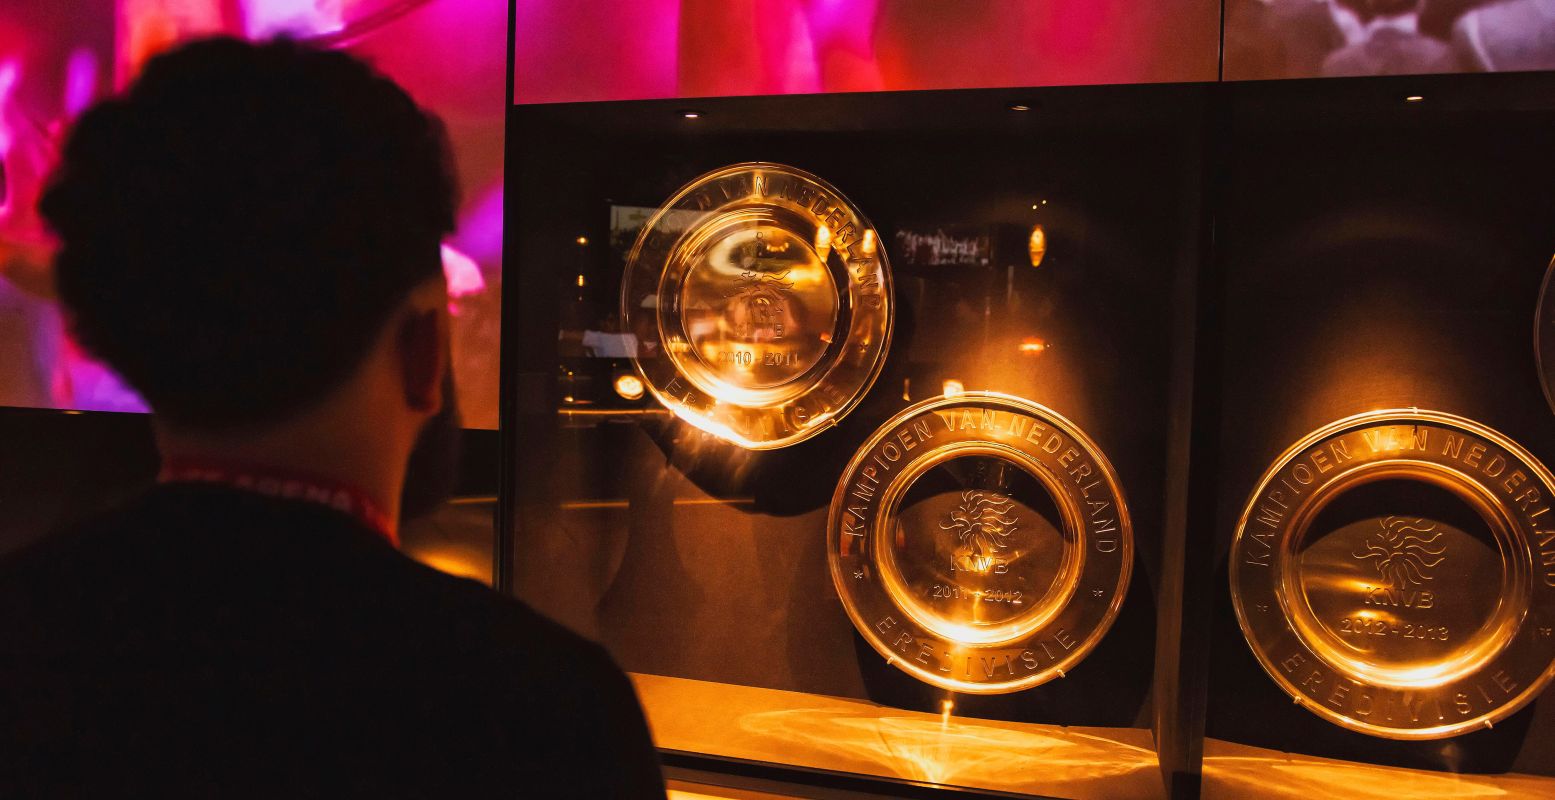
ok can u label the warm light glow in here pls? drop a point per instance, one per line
(582, 240)
(629, 386)
(1286, 777)
(833, 734)
(823, 242)
(944, 712)
(689, 114)
(681, 794)
(1032, 346)
(953, 387)
(869, 244)
(453, 563)
(921, 747)
(1037, 245)
(581, 281)
(1414, 98)
(1020, 107)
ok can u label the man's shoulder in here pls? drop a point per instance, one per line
(188, 552)
(484, 618)
(538, 679)
(320, 622)
(45, 568)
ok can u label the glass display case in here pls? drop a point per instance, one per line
(850, 424)
(1379, 492)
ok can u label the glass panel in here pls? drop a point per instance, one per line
(786, 558)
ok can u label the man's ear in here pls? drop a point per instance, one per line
(423, 346)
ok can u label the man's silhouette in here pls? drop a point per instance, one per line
(250, 236)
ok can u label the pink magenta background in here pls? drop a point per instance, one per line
(56, 57)
(580, 50)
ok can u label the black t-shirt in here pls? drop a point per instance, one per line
(210, 642)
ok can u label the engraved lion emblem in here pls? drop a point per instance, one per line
(1404, 549)
(764, 288)
(760, 309)
(983, 523)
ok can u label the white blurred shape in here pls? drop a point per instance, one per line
(299, 18)
(462, 273)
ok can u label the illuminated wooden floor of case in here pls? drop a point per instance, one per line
(680, 790)
(840, 735)
(1234, 771)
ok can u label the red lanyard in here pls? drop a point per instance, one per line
(283, 484)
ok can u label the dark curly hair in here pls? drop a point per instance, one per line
(236, 228)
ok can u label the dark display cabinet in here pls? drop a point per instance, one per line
(1383, 246)
(1295, 318)
(1041, 245)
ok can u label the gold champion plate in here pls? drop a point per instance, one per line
(981, 543)
(764, 302)
(1393, 573)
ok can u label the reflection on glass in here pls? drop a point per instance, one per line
(759, 307)
(761, 302)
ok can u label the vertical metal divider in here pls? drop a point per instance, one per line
(505, 517)
(1193, 456)
(530, 318)
(1182, 636)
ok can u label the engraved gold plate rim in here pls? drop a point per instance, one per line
(1504, 648)
(706, 368)
(1037, 645)
(1544, 335)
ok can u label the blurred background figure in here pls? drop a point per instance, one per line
(1315, 38)
(1280, 38)
(1506, 36)
(51, 67)
(1385, 39)
(709, 48)
(57, 57)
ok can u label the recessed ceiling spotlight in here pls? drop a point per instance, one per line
(691, 113)
(1019, 107)
(1414, 98)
